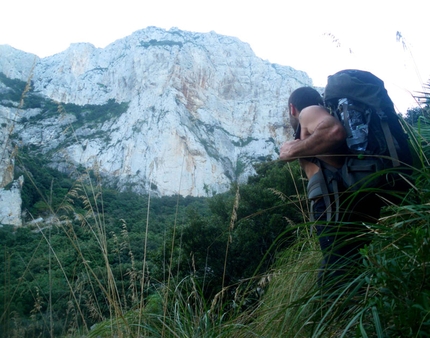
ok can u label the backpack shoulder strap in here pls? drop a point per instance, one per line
(390, 142)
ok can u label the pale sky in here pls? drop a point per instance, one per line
(319, 37)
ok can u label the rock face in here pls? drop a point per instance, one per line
(6, 163)
(10, 204)
(184, 112)
(10, 190)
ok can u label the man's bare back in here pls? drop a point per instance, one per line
(321, 136)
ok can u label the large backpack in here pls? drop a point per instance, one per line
(378, 150)
(377, 144)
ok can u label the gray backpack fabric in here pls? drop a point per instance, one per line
(375, 138)
(378, 148)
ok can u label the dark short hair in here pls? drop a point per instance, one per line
(304, 97)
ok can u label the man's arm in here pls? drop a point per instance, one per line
(321, 134)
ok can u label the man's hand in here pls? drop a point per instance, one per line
(286, 153)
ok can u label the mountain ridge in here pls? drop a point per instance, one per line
(181, 112)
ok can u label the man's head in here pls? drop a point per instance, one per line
(304, 97)
(299, 99)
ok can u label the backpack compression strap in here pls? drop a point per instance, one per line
(328, 176)
(390, 142)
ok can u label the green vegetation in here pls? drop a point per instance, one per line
(389, 298)
(86, 114)
(100, 236)
(154, 42)
(243, 143)
(14, 89)
(238, 264)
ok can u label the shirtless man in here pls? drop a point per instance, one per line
(320, 137)
(320, 133)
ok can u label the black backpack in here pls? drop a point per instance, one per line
(378, 147)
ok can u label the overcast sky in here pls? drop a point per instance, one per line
(316, 36)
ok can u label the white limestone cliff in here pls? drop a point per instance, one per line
(202, 108)
(10, 204)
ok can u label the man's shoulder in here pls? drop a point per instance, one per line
(311, 114)
(314, 109)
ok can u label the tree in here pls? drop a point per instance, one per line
(265, 224)
(414, 114)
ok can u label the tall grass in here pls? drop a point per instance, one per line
(389, 298)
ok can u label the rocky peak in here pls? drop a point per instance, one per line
(197, 109)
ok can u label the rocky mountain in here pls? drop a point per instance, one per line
(172, 111)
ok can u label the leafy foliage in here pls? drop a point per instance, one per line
(390, 298)
(43, 185)
(96, 235)
(130, 265)
(13, 89)
(223, 250)
(85, 114)
(413, 115)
